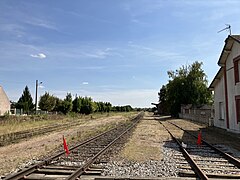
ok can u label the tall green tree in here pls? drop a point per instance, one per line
(187, 85)
(67, 104)
(47, 102)
(58, 106)
(87, 105)
(77, 104)
(163, 100)
(25, 102)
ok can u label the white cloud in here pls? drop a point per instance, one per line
(39, 55)
(85, 83)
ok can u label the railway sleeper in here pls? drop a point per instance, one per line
(213, 169)
(54, 171)
(207, 164)
(45, 177)
(60, 167)
(209, 175)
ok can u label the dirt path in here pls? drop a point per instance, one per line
(13, 156)
(146, 141)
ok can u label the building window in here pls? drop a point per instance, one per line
(221, 111)
(237, 99)
(236, 62)
(187, 111)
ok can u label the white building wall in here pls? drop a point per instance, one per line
(4, 102)
(219, 97)
(233, 90)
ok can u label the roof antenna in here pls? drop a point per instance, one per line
(228, 28)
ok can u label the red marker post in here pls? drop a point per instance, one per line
(65, 146)
(199, 140)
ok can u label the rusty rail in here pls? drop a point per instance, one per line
(230, 158)
(46, 162)
(192, 163)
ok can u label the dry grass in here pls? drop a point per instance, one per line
(12, 156)
(146, 141)
(21, 123)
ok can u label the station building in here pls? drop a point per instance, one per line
(226, 86)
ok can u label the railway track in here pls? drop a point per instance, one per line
(14, 137)
(203, 161)
(81, 158)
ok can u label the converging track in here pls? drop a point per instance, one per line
(81, 158)
(203, 161)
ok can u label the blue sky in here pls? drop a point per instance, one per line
(117, 51)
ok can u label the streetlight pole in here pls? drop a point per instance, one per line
(36, 95)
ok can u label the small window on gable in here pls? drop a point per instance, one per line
(236, 62)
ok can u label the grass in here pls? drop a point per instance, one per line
(21, 123)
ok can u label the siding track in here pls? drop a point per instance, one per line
(81, 158)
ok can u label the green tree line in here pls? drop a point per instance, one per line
(81, 105)
(187, 85)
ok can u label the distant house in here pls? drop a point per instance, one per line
(4, 102)
(226, 86)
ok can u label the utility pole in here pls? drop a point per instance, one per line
(36, 95)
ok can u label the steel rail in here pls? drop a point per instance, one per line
(33, 168)
(192, 163)
(227, 156)
(83, 168)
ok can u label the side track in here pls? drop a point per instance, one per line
(81, 157)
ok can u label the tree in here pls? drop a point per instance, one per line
(67, 104)
(87, 105)
(25, 102)
(163, 100)
(77, 104)
(47, 102)
(58, 106)
(187, 85)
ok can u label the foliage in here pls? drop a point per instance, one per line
(163, 100)
(66, 105)
(126, 108)
(47, 102)
(103, 106)
(77, 104)
(25, 102)
(80, 105)
(58, 105)
(87, 106)
(187, 85)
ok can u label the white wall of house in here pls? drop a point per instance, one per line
(232, 88)
(4, 102)
(220, 114)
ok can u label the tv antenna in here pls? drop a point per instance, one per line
(228, 28)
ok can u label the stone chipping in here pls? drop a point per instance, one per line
(164, 167)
